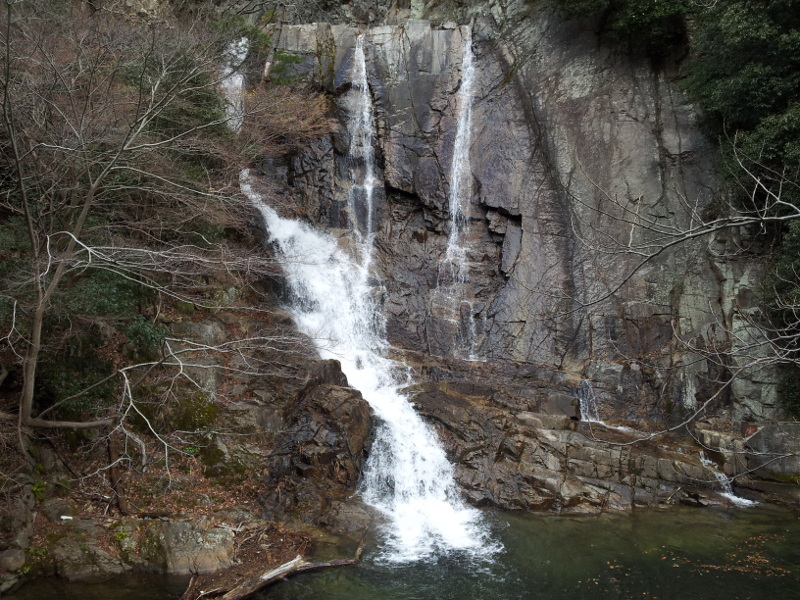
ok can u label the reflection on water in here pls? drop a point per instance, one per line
(125, 587)
(676, 554)
(647, 555)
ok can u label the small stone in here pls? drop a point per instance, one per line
(12, 560)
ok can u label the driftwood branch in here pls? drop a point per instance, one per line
(251, 586)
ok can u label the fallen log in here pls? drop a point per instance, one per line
(255, 584)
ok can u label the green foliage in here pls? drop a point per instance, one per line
(66, 376)
(14, 242)
(655, 26)
(282, 72)
(38, 488)
(192, 450)
(186, 90)
(745, 73)
(746, 63)
(197, 107)
(97, 292)
(120, 535)
(146, 337)
(209, 234)
(235, 27)
(227, 470)
(784, 282)
(782, 297)
(192, 411)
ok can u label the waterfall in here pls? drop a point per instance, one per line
(587, 402)
(407, 477)
(361, 155)
(451, 294)
(725, 483)
(455, 261)
(232, 81)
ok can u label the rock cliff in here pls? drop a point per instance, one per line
(582, 157)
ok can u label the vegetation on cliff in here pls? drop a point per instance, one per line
(120, 217)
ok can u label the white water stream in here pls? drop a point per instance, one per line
(451, 294)
(408, 477)
(459, 195)
(588, 403)
(361, 156)
(725, 483)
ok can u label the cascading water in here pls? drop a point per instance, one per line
(725, 483)
(408, 477)
(451, 293)
(587, 402)
(361, 156)
(455, 260)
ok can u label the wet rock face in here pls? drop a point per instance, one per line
(319, 454)
(567, 139)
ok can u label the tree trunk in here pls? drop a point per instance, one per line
(115, 474)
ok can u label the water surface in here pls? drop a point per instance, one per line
(681, 554)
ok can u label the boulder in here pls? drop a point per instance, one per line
(558, 403)
(319, 455)
(195, 547)
(12, 560)
(84, 561)
(57, 508)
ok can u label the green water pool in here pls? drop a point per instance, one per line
(675, 554)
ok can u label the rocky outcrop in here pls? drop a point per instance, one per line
(319, 454)
(523, 448)
(88, 550)
(761, 457)
(16, 529)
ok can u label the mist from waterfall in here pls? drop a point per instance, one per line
(408, 478)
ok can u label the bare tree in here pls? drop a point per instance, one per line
(119, 175)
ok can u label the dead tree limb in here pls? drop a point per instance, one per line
(251, 586)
